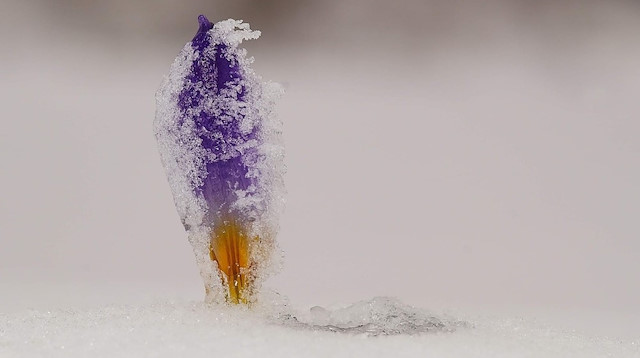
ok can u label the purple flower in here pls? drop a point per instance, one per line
(217, 75)
(220, 145)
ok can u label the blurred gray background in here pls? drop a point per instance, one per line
(456, 154)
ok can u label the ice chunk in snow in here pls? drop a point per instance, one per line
(378, 316)
(220, 144)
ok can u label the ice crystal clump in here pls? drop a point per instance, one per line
(220, 145)
(378, 316)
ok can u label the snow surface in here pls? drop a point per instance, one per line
(200, 330)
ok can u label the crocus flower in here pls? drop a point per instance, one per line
(220, 144)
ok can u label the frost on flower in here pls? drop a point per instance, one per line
(220, 144)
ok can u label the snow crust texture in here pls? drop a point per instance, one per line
(378, 316)
(201, 330)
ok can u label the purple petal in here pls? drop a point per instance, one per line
(218, 137)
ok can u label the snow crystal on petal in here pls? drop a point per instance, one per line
(220, 143)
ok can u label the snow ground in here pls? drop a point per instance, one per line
(187, 329)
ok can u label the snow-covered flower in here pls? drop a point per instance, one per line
(220, 144)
